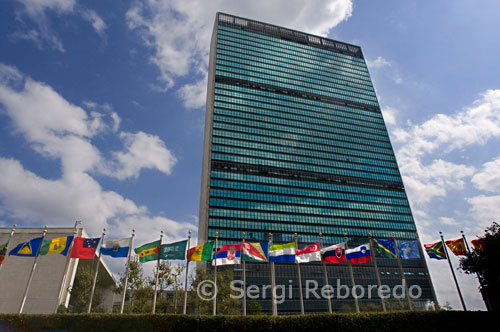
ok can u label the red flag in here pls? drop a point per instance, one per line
(84, 248)
(478, 243)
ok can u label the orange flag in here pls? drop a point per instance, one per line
(457, 247)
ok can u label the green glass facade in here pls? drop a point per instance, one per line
(295, 142)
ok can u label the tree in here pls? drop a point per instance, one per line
(139, 291)
(165, 280)
(484, 262)
(80, 292)
(226, 305)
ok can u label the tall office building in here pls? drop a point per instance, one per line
(295, 142)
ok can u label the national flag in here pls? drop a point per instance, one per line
(201, 253)
(84, 248)
(228, 254)
(308, 254)
(282, 252)
(359, 255)
(116, 248)
(255, 252)
(3, 249)
(435, 250)
(478, 243)
(148, 252)
(386, 248)
(171, 251)
(27, 249)
(3, 252)
(409, 250)
(334, 253)
(457, 247)
(59, 245)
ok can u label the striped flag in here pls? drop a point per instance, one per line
(308, 254)
(282, 252)
(359, 255)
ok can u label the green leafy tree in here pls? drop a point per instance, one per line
(254, 308)
(484, 262)
(80, 292)
(139, 291)
(165, 280)
(226, 305)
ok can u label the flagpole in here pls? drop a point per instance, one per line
(301, 297)
(127, 271)
(95, 274)
(65, 276)
(157, 274)
(214, 302)
(374, 259)
(244, 276)
(32, 272)
(325, 274)
(273, 282)
(12, 231)
(479, 278)
(403, 278)
(421, 253)
(351, 274)
(452, 272)
(184, 309)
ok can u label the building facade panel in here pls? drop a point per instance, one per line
(295, 142)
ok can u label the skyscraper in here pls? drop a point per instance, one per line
(295, 142)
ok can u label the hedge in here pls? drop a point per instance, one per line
(441, 321)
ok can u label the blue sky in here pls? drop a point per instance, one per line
(102, 109)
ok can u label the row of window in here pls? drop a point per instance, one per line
(285, 44)
(298, 68)
(343, 209)
(264, 236)
(289, 64)
(301, 152)
(298, 144)
(251, 76)
(264, 46)
(306, 184)
(265, 161)
(303, 160)
(214, 183)
(278, 227)
(316, 202)
(268, 102)
(231, 104)
(237, 125)
(297, 102)
(294, 126)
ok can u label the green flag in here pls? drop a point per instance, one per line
(176, 250)
(385, 248)
(148, 252)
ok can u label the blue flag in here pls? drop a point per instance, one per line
(409, 250)
(27, 249)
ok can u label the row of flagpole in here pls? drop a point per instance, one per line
(187, 256)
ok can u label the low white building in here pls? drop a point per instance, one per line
(53, 278)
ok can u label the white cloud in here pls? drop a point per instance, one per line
(62, 131)
(96, 21)
(141, 151)
(36, 11)
(475, 125)
(485, 210)
(489, 177)
(179, 32)
(379, 62)
(389, 114)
